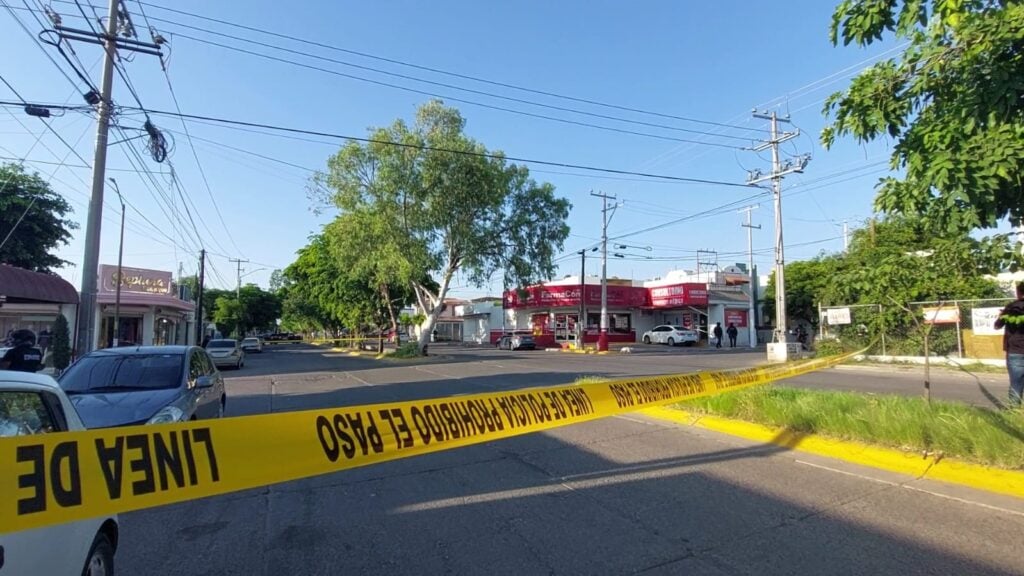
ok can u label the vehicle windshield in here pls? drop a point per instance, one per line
(221, 344)
(105, 373)
(251, 341)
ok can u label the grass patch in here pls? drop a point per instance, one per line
(952, 429)
(407, 351)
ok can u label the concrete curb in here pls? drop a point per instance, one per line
(949, 470)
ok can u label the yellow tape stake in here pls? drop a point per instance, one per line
(55, 478)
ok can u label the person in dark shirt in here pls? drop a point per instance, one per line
(718, 334)
(732, 332)
(24, 356)
(1011, 320)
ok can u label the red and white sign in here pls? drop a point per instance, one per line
(942, 315)
(678, 295)
(569, 297)
(736, 317)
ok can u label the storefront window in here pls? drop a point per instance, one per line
(617, 323)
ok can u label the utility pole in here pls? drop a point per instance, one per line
(751, 324)
(238, 275)
(120, 255)
(779, 170)
(86, 339)
(710, 264)
(200, 327)
(606, 214)
(581, 322)
(846, 236)
(238, 292)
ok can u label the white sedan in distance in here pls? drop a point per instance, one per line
(671, 335)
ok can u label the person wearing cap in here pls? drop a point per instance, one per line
(1011, 320)
(24, 356)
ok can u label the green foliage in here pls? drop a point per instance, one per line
(806, 281)
(45, 225)
(951, 101)
(60, 343)
(416, 215)
(405, 351)
(824, 348)
(958, 430)
(227, 313)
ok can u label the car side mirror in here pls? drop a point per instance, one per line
(204, 382)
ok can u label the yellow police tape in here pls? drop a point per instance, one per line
(54, 478)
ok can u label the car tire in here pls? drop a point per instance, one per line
(647, 339)
(671, 341)
(100, 560)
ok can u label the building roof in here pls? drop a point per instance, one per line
(35, 286)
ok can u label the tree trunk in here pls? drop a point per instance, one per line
(432, 306)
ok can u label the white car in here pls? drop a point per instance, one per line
(671, 335)
(35, 404)
(252, 345)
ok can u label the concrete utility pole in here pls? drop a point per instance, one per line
(581, 328)
(86, 337)
(606, 216)
(751, 325)
(779, 170)
(238, 292)
(200, 327)
(846, 236)
(120, 255)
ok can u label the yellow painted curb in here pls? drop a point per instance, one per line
(1008, 482)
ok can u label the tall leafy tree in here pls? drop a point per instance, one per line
(436, 203)
(33, 221)
(951, 100)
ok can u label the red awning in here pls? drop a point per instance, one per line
(35, 286)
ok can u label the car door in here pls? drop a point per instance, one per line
(211, 395)
(660, 334)
(58, 549)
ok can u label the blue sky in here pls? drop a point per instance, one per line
(706, 60)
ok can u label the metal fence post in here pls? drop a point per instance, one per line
(881, 320)
(959, 337)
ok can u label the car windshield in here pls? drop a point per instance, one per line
(251, 341)
(105, 373)
(221, 344)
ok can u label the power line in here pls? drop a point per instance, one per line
(438, 149)
(428, 68)
(460, 100)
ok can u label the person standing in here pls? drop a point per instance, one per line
(24, 356)
(1011, 320)
(718, 334)
(732, 332)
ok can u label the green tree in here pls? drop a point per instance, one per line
(951, 101)
(61, 343)
(227, 314)
(807, 281)
(260, 308)
(440, 203)
(33, 221)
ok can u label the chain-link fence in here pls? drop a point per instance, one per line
(953, 328)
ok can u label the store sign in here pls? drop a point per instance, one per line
(737, 318)
(983, 321)
(838, 316)
(135, 281)
(569, 297)
(676, 295)
(942, 315)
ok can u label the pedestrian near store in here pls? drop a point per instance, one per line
(732, 332)
(718, 334)
(24, 356)
(1011, 320)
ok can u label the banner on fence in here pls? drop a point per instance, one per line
(983, 321)
(942, 315)
(838, 316)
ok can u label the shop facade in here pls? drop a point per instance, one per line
(551, 312)
(151, 313)
(33, 301)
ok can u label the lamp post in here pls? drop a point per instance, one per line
(120, 255)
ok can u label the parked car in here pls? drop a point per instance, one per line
(252, 345)
(35, 404)
(226, 352)
(671, 335)
(517, 342)
(144, 385)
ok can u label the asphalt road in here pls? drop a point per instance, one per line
(615, 496)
